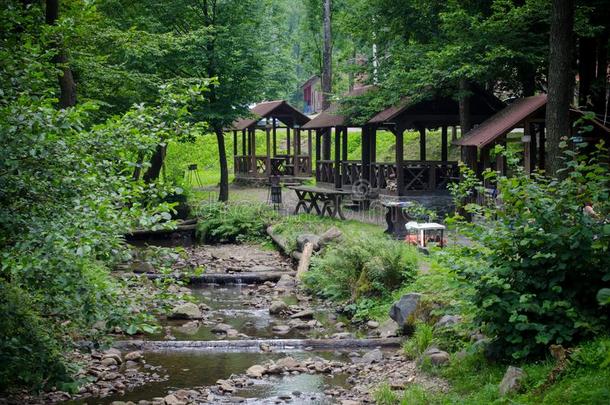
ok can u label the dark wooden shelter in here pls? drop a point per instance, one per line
(421, 176)
(527, 113)
(269, 117)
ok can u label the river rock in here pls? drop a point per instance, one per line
(142, 267)
(186, 311)
(280, 329)
(221, 328)
(109, 361)
(403, 311)
(372, 324)
(172, 400)
(277, 307)
(512, 381)
(256, 371)
(341, 335)
(306, 314)
(373, 356)
(447, 321)
(287, 363)
(305, 238)
(286, 282)
(134, 356)
(437, 357)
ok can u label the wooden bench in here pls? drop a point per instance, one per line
(324, 201)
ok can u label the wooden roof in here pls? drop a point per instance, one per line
(515, 116)
(437, 111)
(330, 117)
(279, 109)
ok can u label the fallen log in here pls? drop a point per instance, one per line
(259, 277)
(305, 259)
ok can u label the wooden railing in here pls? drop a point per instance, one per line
(325, 171)
(281, 165)
(351, 171)
(418, 175)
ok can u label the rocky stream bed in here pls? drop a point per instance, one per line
(264, 343)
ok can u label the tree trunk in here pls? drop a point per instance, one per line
(464, 107)
(223, 193)
(156, 163)
(560, 81)
(67, 86)
(327, 76)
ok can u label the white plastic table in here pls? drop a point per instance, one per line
(422, 228)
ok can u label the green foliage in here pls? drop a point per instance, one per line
(220, 222)
(545, 259)
(383, 395)
(362, 267)
(421, 340)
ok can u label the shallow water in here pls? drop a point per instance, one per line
(189, 369)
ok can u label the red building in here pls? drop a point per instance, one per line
(312, 95)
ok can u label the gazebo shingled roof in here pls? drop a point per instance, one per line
(330, 117)
(279, 109)
(503, 121)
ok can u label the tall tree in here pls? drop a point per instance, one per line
(561, 80)
(67, 86)
(327, 75)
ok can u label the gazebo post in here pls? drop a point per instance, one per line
(268, 148)
(326, 137)
(288, 140)
(527, 147)
(344, 144)
(243, 142)
(501, 159)
(422, 143)
(444, 151)
(400, 174)
(234, 143)
(366, 152)
(318, 149)
(253, 149)
(337, 158)
(274, 137)
(469, 157)
(296, 150)
(309, 151)
(373, 158)
(541, 146)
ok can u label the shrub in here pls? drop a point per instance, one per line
(420, 341)
(546, 259)
(227, 223)
(362, 267)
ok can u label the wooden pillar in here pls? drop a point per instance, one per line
(541, 146)
(274, 137)
(337, 157)
(287, 140)
(469, 157)
(253, 150)
(366, 152)
(422, 143)
(309, 151)
(344, 144)
(326, 137)
(234, 143)
(297, 141)
(454, 133)
(444, 146)
(268, 150)
(400, 174)
(485, 161)
(373, 144)
(527, 148)
(243, 142)
(318, 150)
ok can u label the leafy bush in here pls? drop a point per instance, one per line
(362, 267)
(226, 223)
(545, 259)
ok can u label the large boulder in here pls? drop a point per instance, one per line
(305, 238)
(255, 371)
(447, 321)
(404, 310)
(286, 282)
(389, 328)
(373, 356)
(186, 311)
(512, 381)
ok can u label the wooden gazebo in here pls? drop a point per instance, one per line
(421, 176)
(529, 114)
(269, 117)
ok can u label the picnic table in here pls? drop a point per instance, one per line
(324, 201)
